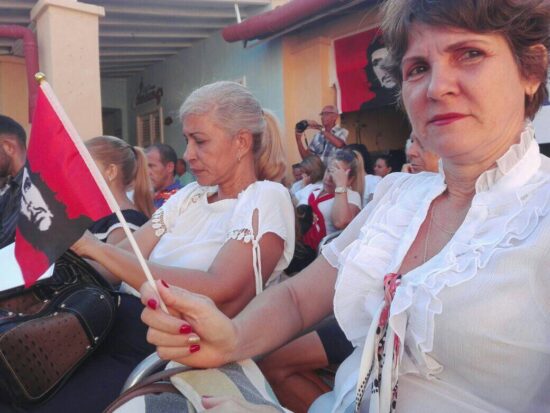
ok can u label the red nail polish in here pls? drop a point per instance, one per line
(194, 348)
(186, 329)
(164, 283)
(152, 303)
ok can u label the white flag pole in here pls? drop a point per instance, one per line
(75, 137)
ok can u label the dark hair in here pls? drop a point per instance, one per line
(523, 24)
(376, 44)
(166, 152)
(10, 127)
(314, 167)
(362, 149)
(386, 158)
(296, 165)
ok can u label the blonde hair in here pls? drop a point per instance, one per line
(132, 164)
(234, 108)
(314, 167)
(357, 171)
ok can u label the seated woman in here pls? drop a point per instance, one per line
(339, 200)
(371, 180)
(420, 159)
(292, 369)
(382, 166)
(224, 236)
(443, 278)
(313, 170)
(121, 165)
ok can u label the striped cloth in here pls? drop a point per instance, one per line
(242, 380)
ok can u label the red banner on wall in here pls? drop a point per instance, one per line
(363, 82)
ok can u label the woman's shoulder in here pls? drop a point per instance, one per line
(372, 179)
(264, 190)
(401, 181)
(190, 190)
(269, 198)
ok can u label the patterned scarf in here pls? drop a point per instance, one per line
(381, 345)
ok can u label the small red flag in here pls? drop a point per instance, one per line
(62, 190)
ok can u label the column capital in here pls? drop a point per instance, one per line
(42, 5)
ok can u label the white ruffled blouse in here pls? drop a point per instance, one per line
(474, 320)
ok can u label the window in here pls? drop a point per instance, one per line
(150, 128)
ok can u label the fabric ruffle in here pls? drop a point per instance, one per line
(510, 201)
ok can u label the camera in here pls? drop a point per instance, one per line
(301, 126)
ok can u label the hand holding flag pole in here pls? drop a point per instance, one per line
(62, 191)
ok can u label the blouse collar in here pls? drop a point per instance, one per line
(512, 169)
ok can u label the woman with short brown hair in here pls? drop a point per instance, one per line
(442, 281)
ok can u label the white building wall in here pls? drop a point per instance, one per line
(207, 61)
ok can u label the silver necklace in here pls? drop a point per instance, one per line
(446, 231)
(426, 240)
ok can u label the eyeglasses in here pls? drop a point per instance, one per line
(327, 113)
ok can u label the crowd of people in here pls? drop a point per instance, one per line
(425, 283)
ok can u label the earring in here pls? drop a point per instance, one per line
(239, 157)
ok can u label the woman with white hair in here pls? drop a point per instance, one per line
(225, 236)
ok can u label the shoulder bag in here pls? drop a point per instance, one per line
(49, 329)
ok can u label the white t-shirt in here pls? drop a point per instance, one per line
(326, 207)
(192, 231)
(303, 194)
(475, 319)
(296, 186)
(371, 181)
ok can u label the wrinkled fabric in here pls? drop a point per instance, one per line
(473, 319)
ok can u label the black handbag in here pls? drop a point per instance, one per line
(49, 329)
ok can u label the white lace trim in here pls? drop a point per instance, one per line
(496, 219)
(157, 222)
(246, 235)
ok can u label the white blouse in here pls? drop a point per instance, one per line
(192, 231)
(474, 320)
(371, 182)
(326, 207)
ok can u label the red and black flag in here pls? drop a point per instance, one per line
(363, 81)
(62, 190)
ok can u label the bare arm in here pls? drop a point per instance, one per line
(271, 319)
(116, 236)
(229, 281)
(342, 211)
(304, 152)
(145, 238)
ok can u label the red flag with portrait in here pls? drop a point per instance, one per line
(63, 192)
(363, 83)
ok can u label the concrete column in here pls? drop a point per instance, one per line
(68, 47)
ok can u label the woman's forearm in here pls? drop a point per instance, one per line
(342, 211)
(280, 313)
(124, 266)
